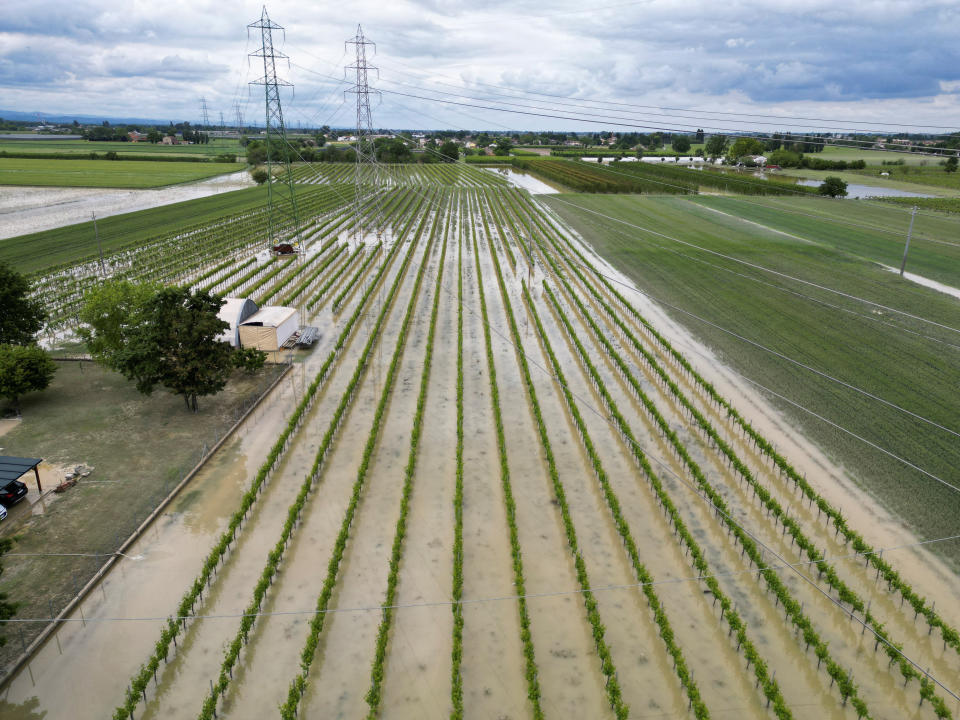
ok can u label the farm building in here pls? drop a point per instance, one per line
(235, 311)
(269, 328)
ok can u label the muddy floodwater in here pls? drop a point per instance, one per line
(26, 210)
(617, 607)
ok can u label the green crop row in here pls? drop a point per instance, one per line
(623, 528)
(456, 660)
(697, 558)
(503, 236)
(318, 295)
(793, 609)
(288, 709)
(301, 265)
(533, 682)
(374, 694)
(614, 695)
(949, 634)
(303, 285)
(246, 277)
(281, 265)
(172, 628)
(824, 569)
(355, 278)
(208, 710)
(220, 268)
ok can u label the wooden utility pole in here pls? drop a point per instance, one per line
(903, 264)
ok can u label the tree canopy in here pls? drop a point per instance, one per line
(681, 143)
(24, 369)
(20, 316)
(833, 186)
(715, 146)
(109, 311)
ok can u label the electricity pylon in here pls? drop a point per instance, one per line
(281, 195)
(367, 171)
(239, 114)
(204, 114)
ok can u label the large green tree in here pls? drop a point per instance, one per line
(24, 369)
(109, 311)
(745, 146)
(833, 187)
(176, 346)
(681, 143)
(21, 317)
(715, 146)
(450, 151)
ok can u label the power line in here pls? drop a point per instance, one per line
(675, 109)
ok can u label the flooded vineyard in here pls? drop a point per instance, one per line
(502, 493)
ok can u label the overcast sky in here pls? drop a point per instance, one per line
(876, 63)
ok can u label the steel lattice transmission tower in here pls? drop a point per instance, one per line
(368, 172)
(281, 195)
(204, 113)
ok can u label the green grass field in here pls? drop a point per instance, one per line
(72, 242)
(865, 346)
(861, 178)
(873, 157)
(865, 229)
(106, 173)
(139, 446)
(215, 147)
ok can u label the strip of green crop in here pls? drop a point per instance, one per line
(246, 277)
(533, 682)
(614, 695)
(298, 290)
(697, 558)
(208, 709)
(288, 710)
(331, 281)
(456, 674)
(219, 268)
(644, 577)
(500, 232)
(824, 569)
(793, 609)
(919, 604)
(374, 695)
(305, 265)
(172, 628)
(352, 282)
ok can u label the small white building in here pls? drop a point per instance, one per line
(235, 311)
(269, 328)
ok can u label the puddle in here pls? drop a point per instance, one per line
(32, 209)
(855, 190)
(523, 180)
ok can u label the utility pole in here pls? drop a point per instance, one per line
(367, 171)
(103, 271)
(281, 195)
(906, 248)
(204, 113)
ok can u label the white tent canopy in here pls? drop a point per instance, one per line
(269, 328)
(235, 311)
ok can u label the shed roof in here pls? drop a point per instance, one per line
(12, 468)
(270, 316)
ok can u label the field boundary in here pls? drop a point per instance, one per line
(24, 658)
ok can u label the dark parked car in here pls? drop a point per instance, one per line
(12, 493)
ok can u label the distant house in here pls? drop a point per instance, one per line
(136, 136)
(171, 140)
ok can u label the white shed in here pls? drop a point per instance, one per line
(235, 311)
(269, 328)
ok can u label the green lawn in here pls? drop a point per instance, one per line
(858, 177)
(873, 157)
(70, 243)
(107, 173)
(915, 372)
(215, 147)
(866, 229)
(140, 447)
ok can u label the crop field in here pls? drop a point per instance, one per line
(505, 493)
(752, 279)
(216, 146)
(106, 173)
